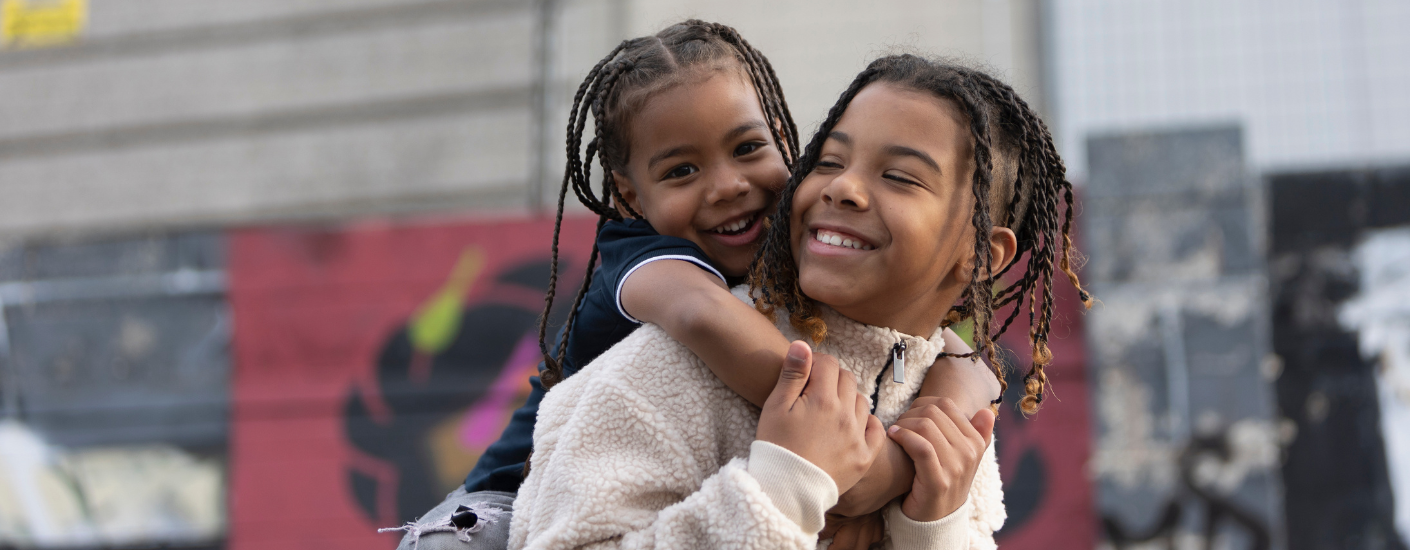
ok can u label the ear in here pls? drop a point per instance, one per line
(1002, 246)
(628, 191)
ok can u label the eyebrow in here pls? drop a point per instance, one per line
(742, 128)
(895, 150)
(903, 151)
(658, 157)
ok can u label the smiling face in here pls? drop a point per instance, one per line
(881, 227)
(703, 167)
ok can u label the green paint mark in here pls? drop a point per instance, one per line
(435, 325)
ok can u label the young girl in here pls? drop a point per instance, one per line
(694, 137)
(922, 186)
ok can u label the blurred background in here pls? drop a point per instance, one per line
(270, 269)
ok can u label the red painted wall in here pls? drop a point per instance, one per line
(331, 440)
(312, 309)
(1043, 459)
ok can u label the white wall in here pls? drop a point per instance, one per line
(1313, 83)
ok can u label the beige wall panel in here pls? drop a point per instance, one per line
(108, 18)
(817, 47)
(449, 160)
(371, 65)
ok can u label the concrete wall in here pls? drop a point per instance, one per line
(169, 114)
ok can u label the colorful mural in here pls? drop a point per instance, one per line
(373, 364)
(292, 387)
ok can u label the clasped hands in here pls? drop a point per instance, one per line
(816, 412)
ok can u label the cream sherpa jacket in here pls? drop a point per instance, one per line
(645, 448)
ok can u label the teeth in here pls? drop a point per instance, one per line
(733, 226)
(834, 239)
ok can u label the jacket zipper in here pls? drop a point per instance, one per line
(897, 362)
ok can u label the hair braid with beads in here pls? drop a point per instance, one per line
(1019, 181)
(616, 89)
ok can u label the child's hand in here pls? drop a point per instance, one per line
(816, 412)
(853, 533)
(946, 449)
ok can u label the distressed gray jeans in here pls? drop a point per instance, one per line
(482, 523)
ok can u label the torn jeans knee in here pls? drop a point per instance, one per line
(476, 521)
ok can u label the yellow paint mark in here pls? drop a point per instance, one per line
(434, 326)
(39, 23)
(450, 458)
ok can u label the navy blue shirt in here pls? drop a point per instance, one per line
(601, 322)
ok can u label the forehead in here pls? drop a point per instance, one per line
(884, 113)
(713, 99)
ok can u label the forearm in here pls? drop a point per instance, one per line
(742, 347)
(889, 477)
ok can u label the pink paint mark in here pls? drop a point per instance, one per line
(486, 419)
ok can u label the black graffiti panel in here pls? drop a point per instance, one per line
(401, 427)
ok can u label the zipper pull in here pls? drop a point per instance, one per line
(898, 362)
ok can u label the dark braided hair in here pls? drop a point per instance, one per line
(1018, 182)
(615, 90)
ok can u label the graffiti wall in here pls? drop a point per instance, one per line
(114, 392)
(1187, 439)
(1337, 252)
(292, 387)
(373, 364)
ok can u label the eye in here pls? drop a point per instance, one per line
(899, 178)
(748, 147)
(829, 164)
(680, 172)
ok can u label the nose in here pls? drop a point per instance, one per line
(729, 184)
(846, 191)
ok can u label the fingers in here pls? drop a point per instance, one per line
(862, 404)
(955, 425)
(846, 538)
(793, 377)
(856, 533)
(831, 525)
(907, 434)
(983, 422)
(918, 406)
(846, 385)
(822, 381)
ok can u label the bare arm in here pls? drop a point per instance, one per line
(968, 382)
(741, 346)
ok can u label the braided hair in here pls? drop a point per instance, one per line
(615, 90)
(1017, 183)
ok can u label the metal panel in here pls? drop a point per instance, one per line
(1187, 440)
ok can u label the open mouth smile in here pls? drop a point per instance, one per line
(737, 226)
(833, 238)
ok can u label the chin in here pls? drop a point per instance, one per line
(825, 289)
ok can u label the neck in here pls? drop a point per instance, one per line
(913, 315)
(917, 323)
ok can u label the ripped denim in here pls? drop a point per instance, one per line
(463, 521)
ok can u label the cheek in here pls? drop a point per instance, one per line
(803, 198)
(671, 212)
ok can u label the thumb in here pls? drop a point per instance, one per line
(793, 377)
(983, 423)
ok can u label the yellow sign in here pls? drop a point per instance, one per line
(38, 23)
